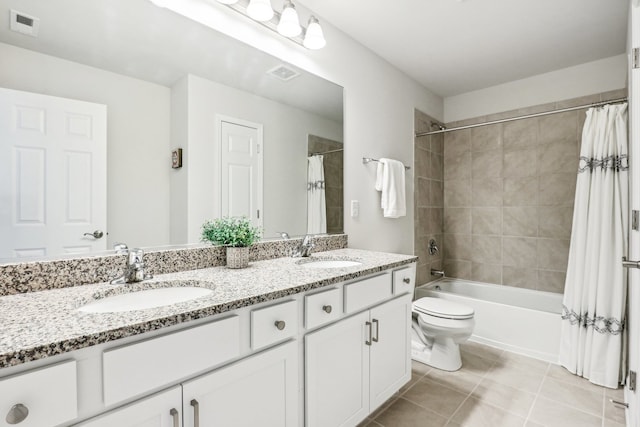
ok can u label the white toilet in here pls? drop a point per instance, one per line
(438, 327)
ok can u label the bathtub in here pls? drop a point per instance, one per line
(515, 319)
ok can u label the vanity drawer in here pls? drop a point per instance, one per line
(274, 323)
(366, 292)
(403, 281)
(136, 368)
(49, 395)
(322, 308)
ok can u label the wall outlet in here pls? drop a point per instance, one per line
(355, 208)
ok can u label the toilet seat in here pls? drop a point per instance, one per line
(442, 308)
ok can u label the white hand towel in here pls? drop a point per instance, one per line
(390, 181)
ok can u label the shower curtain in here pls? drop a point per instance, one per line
(594, 304)
(316, 205)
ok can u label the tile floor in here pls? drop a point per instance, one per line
(495, 388)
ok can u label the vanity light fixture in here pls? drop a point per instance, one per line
(286, 24)
(260, 10)
(289, 24)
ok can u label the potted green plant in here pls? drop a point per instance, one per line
(236, 233)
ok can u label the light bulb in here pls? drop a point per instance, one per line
(314, 38)
(289, 25)
(260, 10)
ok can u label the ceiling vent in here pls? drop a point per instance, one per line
(283, 72)
(24, 24)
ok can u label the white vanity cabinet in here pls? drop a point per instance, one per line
(354, 365)
(261, 390)
(160, 410)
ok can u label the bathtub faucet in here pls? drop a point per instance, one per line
(437, 273)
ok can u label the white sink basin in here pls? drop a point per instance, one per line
(142, 300)
(330, 263)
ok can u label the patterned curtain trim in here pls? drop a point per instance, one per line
(598, 323)
(318, 185)
(616, 163)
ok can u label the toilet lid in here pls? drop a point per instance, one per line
(441, 307)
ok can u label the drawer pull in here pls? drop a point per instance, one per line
(280, 324)
(174, 414)
(406, 280)
(375, 322)
(17, 414)
(327, 308)
(368, 324)
(196, 412)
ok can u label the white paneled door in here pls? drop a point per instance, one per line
(53, 175)
(241, 169)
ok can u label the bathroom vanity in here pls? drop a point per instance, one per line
(281, 343)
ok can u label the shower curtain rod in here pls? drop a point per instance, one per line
(327, 152)
(527, 116)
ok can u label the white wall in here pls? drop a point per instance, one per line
(285, 138)
(586, 79)
(379, 111)
(138, 155)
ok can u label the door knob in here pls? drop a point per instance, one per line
(96, 234)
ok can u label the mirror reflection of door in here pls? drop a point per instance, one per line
(241, 170)
(53, 176)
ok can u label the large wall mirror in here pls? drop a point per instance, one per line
(136, 83)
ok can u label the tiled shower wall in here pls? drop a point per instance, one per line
(429, 202)
(498, 199)
(333, 177)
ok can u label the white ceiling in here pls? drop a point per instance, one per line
(456, 46)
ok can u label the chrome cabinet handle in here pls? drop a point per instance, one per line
(196, 412)
(96, 234)
(375, 322)
(17, 414)
(174, 414)
(406, 280)
(327, 308)
(368, 324)
(280, 324)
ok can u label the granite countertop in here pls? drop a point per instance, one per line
(36, 325)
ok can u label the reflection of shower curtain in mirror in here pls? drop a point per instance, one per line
(316, 205)
(593, 312)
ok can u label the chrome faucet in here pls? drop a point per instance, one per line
(283, 234)
(304, 250)
(437, 273)
(134, 270)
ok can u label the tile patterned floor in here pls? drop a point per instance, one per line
(496, 388)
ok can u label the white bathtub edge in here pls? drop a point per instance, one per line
(545, 357)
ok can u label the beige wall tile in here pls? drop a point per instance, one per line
(551, 281)
(457, 220)
(457, 193)
(558, 157)
(437, 143)
(486, 164)
(520, 191)
(486, 221)
(582, 100)
(555, 221)
(436, 166)
(486, 192)
(520, 277)
(459, 269)
(519, 163)
(422, 186)
(557, 189)
(458, 167)
(519, 252)
(557, 127)
(520, 221)
(520, 134)
(422, 274)
(614, 94)
(422, 162)
(457, 246)
(486, 249)
(486, 138)
(486, 273)
(553, 254)
(436, 193)
(456, 143)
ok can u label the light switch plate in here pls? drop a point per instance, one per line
(355, 208)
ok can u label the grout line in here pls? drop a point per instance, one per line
(537, 394)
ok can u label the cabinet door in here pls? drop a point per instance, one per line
(159, 410)
(390, 358)
(261, 390)
(337, 373)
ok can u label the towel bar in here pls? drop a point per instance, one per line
(366, 160)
